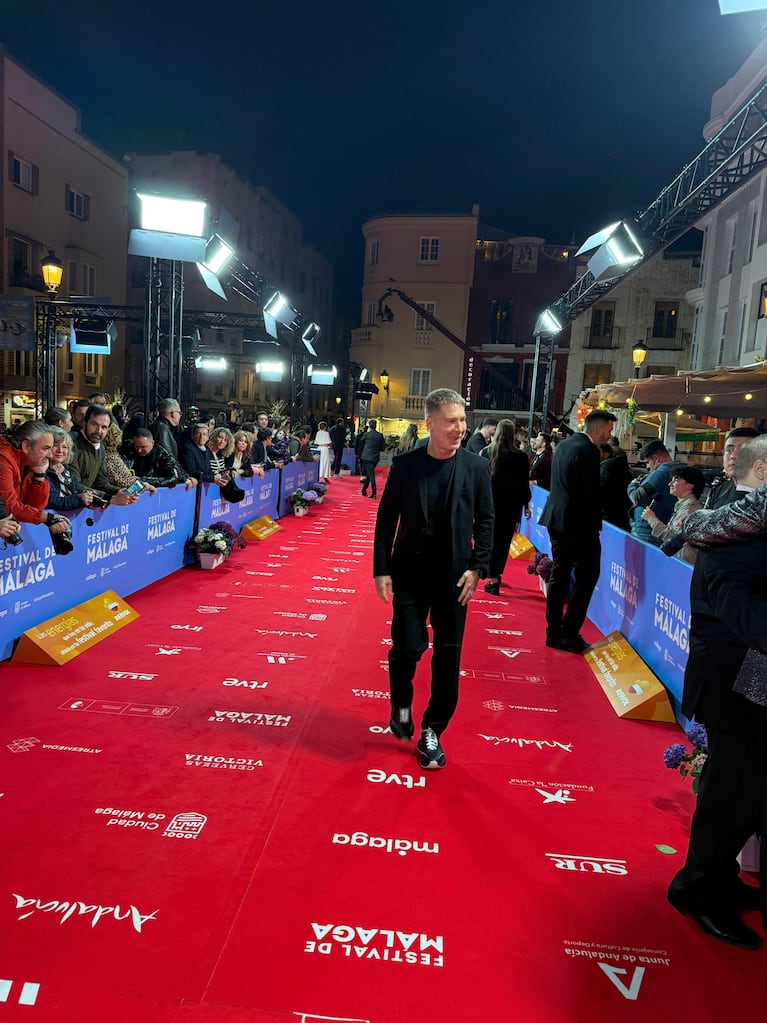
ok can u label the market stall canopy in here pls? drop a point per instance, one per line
(723, 391)
(687, 428)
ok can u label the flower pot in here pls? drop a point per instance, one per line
(544, 586)
(210, 560)
(300, 511)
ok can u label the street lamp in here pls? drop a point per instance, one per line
(638, 356)
(52, 270)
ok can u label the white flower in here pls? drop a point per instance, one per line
(220, 545)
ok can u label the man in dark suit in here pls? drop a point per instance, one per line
(439, 504)
(373, 444)
(338, 440)
(728, 603)
(572, 514)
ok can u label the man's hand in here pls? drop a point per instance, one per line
(122, 498)
(8, 526)
(191, 482)
(468, 583)
(61, 526)
(384, 589)
(150, 489)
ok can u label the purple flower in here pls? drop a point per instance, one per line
(674, 755)
(697, 736)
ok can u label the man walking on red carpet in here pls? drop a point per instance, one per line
(433, 537)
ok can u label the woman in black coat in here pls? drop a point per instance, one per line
(509, 477)
(614, 478)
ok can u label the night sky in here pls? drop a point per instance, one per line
(555, 117)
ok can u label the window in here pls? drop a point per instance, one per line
(420, 382)
(722, 338)
(752, 234)
(76, 204)
(71, 280)
(665, 320)
(23, 174)
(501, 315)
(659, 371)
(742, 328)
(703, 254)
(92, 365)
(597, 373)
(375, 251)
(729, 244)
(695, 345)
(89, 279)
(21, 260)
(21, 364)
(763, 301)
(429, 250)
(602, 318)
(420, 322)
(370, 317)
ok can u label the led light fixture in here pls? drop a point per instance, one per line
(210, 363)
(322, 374)
(548, 324)
(92, 336)
(170, 229)
(270, 370)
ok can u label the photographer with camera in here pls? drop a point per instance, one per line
(88, 464)
(9, 527)
(24, 487)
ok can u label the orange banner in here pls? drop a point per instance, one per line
(632, 689)
(63, 637)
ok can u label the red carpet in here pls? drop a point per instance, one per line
(204, 818)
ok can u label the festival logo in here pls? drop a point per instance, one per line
(24, 568)
(588, 864)
(672, 620)
(242, 717)
(376, 943)
(97, 913)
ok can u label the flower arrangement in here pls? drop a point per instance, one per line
(320, 488)
(302, 498)
(541, 565)
(632, 407)
(689, 761)
(218, 538)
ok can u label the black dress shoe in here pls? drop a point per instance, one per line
(719, 922)
(573, 644)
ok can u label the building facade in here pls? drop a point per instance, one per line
(59, 191)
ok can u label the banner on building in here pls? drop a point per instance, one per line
(17, 323)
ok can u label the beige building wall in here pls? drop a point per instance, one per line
(431, 259)
(59, 191)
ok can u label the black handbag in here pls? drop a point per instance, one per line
(232, 493)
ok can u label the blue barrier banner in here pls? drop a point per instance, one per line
(295, 475)
(348, 459)
(641, 593)
(260, 499)
(124, 549)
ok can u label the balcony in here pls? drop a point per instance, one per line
(413, 403)
(365, 335)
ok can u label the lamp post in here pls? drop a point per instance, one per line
(638, 356)
(52, 270)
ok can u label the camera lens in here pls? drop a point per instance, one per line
(15, 539)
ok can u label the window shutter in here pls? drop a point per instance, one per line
(35, 179)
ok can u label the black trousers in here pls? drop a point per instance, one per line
(504, 527)
(338, 454)
(575, 554)
(415, 600)
(369, 470)
(727, 813)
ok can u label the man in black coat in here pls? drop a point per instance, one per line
(438, 504)
(572, 515)
(728, 601)
(373, 444)
(165, 427)
(338, 440)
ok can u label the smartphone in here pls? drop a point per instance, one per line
(136, 487)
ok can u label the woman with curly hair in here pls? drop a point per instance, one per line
(509, 471)
(117, 471)
(221, 446)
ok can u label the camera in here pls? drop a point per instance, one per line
(14, 539)
(98, 502)
(62, 542)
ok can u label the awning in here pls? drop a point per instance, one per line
(687, 428)
(730, 390)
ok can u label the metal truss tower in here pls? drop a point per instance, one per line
(163, 345)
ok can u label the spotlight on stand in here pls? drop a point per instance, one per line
(548, 324)
(170, 229)
(309, 336)
(617, 249)
(322, 374)
(218, 256)
(271, 371)
(211, 363)
(278, 310)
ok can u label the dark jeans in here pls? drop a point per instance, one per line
(369, 470)
(571, 554)
(504, 526)
(727, 813)
(338, 454)
(414, 600)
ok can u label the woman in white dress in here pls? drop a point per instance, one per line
(323, 442)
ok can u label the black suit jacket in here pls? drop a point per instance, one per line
(573, 503)
(728, 603)
(402, 513)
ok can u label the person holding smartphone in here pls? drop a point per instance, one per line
(88, 464)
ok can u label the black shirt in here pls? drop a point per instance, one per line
(440, 473)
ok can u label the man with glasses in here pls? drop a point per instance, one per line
(652, 490)
(165, 427)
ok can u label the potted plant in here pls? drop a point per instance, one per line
(541, 566)
(320, 489)
(300, 500)
(215, 543)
